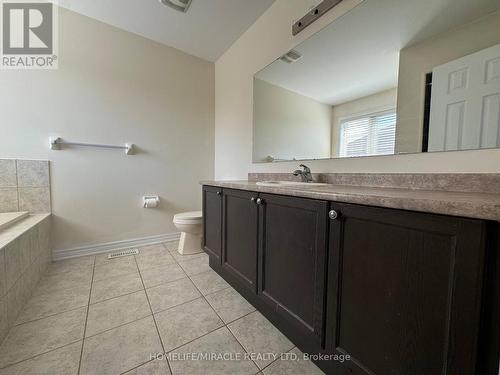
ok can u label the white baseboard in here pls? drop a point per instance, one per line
(115, 245)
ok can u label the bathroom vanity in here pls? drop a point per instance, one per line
(399, 291)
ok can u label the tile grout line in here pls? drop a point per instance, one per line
(136, 367)
(51, 350)
(118, 326)
(209, 332)
(224, 324)
(40, 354)
(115, 297)
(152, 313)
(86, 320)
(227, 325)
(17, 187)
(49, 316)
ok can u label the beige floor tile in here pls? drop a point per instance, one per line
(155, 367)
(103, 259)
(168, 295)
(70, 265)
(63, 361)
(209, 282)
(291, 366)
(229, 304)
(161, 275)
(115, 267)
(151, 261)
(258, 335)
(171, 246)
(65, 280)
(50, 303)
(220, 341)
(116, 311)
(38, 337)
(152, 250)
(120, 349)
(195, 266)
(186, 322)
(115, 287)
(178, 257)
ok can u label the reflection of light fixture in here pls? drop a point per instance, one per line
(290, 57)
(180, 5)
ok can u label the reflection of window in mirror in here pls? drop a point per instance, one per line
(368, 135)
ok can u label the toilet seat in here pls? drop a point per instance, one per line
(193, 217)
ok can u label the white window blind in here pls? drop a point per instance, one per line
(374, 134)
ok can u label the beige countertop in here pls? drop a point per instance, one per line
(472, 205)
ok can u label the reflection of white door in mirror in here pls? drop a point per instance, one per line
(465, 103)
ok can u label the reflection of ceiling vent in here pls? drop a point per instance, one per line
(180, 5)
(291, 57)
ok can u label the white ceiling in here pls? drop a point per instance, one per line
(358, 54)
(207, 30)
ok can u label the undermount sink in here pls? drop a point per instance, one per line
(289, 183)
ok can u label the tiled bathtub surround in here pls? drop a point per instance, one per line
(488, 183)
(24, 186)
(24, 256)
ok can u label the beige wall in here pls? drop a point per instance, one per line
(381, 101)
(267, 39)
(113, 87)
(289, 125)
(416, 61)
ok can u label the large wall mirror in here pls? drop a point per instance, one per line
(389, 77)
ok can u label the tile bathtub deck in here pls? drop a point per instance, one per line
(96, 316)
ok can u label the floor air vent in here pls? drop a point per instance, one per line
(123, 253)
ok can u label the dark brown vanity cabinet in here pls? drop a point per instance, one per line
(401, 293)
(404, 291)
(212, 221)
(292, 264)
(239, 236)
(274, 252)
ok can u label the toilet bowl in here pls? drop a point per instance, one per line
(190, 224)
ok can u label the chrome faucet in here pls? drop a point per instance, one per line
(305, 174)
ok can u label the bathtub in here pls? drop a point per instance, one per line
(9, 218)
(25, 253)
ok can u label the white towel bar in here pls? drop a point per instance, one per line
(57, 142)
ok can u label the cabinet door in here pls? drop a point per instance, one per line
(240, 237)
(292, 258)
(212, 221)
(404, 291)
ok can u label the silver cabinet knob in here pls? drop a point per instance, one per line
(253, 199)
(260, 201)
(219, 192)
(333, 214)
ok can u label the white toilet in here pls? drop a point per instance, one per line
(190, 224)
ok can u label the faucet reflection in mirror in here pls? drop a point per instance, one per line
(304, 174)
